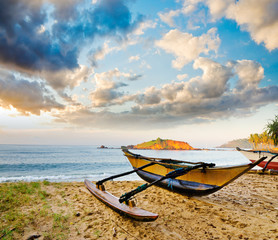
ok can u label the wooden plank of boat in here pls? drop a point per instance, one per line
(113, 202)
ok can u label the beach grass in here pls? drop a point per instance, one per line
(25, 205)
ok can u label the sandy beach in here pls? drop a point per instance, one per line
(245, 209)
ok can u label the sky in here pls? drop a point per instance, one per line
(115, 72)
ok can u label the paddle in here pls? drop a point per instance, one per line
(173, 174)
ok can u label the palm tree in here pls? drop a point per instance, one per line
(252, 140)
(257, 140)
(272, 130)
(264, 139)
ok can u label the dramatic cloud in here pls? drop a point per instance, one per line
(214, 81)
(67, 77)
(187, 47)
(57, 56)
(212, 84)
(150, 97)
(106, 92)
(209, 96)
(203, 98)
(259, 18)
(23, 45)
(101, 52)
(27, 97)
(250, 73)
(40, 36)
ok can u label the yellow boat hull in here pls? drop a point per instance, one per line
(197, 182)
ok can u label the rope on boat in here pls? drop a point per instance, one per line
(170, 183)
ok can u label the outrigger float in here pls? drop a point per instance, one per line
(186, 178)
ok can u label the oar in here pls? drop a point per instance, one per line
(173, 174)
(269, 162)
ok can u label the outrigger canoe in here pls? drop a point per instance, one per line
(271, 161)
(187, 178)
(198, 182)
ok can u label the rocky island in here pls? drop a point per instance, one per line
(163, 144)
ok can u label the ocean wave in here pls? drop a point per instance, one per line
(34, 178)
(65, 178)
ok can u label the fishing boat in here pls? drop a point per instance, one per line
(202, 179)
(187, 178)
(271, 161)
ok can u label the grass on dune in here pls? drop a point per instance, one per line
(25, 205)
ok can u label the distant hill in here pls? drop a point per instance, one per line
(242, 143)
(164, 144)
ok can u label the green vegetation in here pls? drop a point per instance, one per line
(272, 129)
(150, 143)
(267, 139)
(164, 144)
(13, 196)
(25, 206)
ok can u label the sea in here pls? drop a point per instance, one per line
(64, 163)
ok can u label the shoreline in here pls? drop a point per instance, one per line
(133, 178)
(245, 209)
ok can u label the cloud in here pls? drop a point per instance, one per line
(167, 17)
(150, 97)
(209, 96)
(259, 18)
(218, 8)
(188, 7)
(101, 52)
(70, 78)
(250, 73)
(134, 58)
(132, 38)
(49, 35)
(182, 76)
(134, 77)
(186, 47)
(214, 81)
(212, 84)
(143, 26)
(107, 91)
(202, 98)
(27, 97)
(22, 45)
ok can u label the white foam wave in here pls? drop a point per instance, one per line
(64, 178)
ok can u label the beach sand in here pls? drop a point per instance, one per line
(245, 209)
